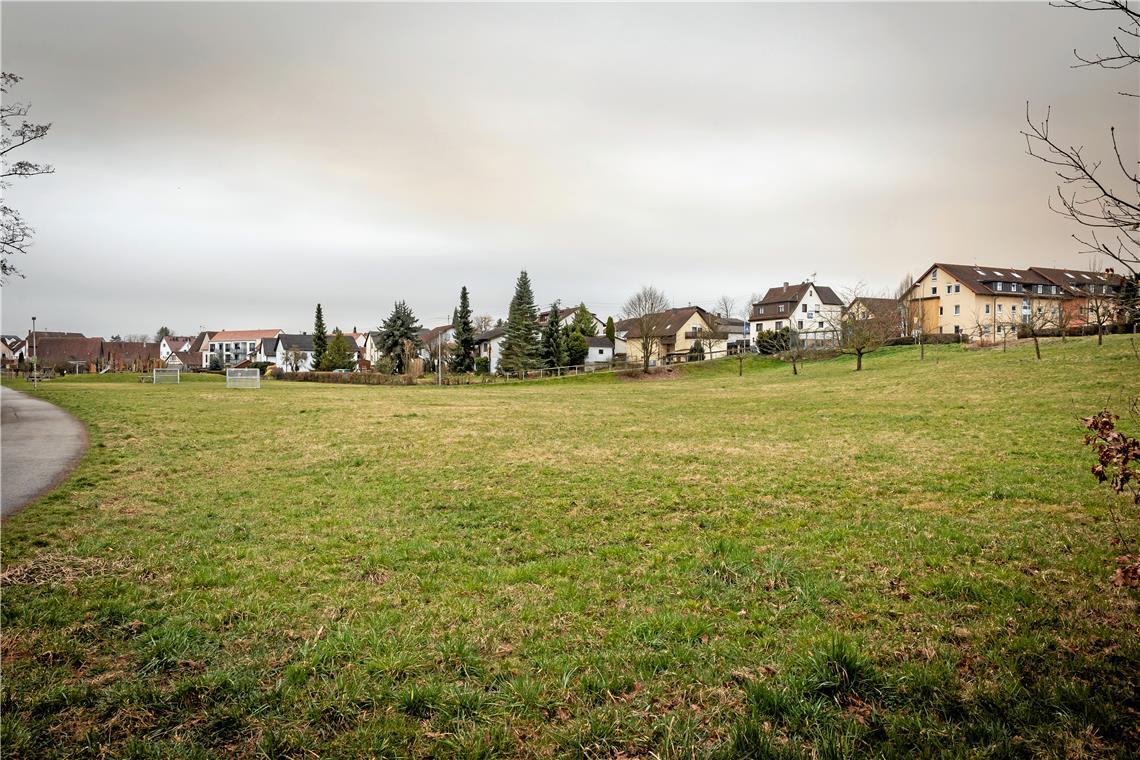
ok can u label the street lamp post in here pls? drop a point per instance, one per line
(35, 357)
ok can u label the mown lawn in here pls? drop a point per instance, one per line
(908, 561)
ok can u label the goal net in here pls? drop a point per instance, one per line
(166, 376)
(243, 378)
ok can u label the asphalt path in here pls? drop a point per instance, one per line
(39, 445)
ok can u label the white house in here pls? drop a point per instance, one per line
(812, 310)
(490, 345)
(294, 352)
(601, 350)
(171, 343)
(443, 334)
(233, 346)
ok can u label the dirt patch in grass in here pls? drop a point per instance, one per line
(658, 373)
(59, 569)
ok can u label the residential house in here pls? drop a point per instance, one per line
(981, 301)
(235, 346)
(675, 332)
(294, 352)
(490, 344)
(432, 338)
(199, 349)
(736, 332)
(182, 360)
(131, 356)
(867, 307)
(8, 344)
(601, 350)
(1088, 291)
(171, 343)
(812, 310)
(564, 317)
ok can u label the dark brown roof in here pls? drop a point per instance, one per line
(793, 294)
(981, 278)
(1076, 281)
(58, 350)
(667, 323)
(202, 341)
(53, 334)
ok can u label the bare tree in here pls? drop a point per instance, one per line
(294, 358)
(725, 306)
(482, 323)
(645, 310)
(1103, 310)
(864, 326)
(1036, 319)
(16, 236)
(794, 349)
(1108, 208)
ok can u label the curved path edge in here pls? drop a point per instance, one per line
(40, 445)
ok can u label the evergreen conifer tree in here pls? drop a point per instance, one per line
(337, 355)
(520, 346)
(611, 333)
(577, 349)
(320, 338)
(583, 322)
(463, 354)
(399, 337)
(553, 345)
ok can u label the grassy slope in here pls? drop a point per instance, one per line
(912, 559)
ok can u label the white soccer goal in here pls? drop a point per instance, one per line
(243, 378)
(167, 376)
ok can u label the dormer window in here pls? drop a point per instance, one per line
(999, 286)
(780, 308)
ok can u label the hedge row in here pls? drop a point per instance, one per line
(346, 378)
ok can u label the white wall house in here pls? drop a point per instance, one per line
(490, 344)
(812, 310)
(233, 346)
(171, 343)
(601, 350)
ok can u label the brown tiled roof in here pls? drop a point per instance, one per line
(187, 358)
(792, 294)
(1076, 281)
(876, 306)
(52, 351)
(178, 340)
(202, 341)
(53, 334)
(977, 277)
(666, 324)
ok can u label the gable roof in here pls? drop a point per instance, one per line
(429, 335)
(202, 341)
(976, 276)
(876, 307)
(793, 294)
(667, 323)
(599, 341)
(231, 335)
(183, 357)
(1074, 280)
(53, 334)
(492, 334)
(129, 351)
(177, 340)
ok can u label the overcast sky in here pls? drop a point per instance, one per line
(229, 165)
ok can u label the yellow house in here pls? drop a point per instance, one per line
(982, 301)
(672, 332)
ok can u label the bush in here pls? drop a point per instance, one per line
(482, 365)
(347, 378)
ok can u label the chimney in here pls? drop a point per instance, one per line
(785, 286)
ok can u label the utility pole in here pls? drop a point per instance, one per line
(35, 357)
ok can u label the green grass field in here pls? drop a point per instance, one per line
(908, 561)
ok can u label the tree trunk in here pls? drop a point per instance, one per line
(795, 371)
(1100, 335)
(858, 361)
(1037, 346)
(921, 349)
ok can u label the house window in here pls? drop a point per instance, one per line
(940, 311)
(779, 325)
(1000, 286)
(821, 325)
(934, 276)
(999, 308)
(949, 289)
(934, 291)
(780, 308)
(987, 308)
(800, 325)
(600, 351)
(803, 307)
(760, 310)
(957, 310)
(957, 288)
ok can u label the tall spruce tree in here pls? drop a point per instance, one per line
(399, 337)
(553, 343)
(583, 322)
(338, 355)
(463, 354)
(520, 346)
(320, 339)
(611, 331)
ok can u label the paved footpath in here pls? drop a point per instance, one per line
(39, 445)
